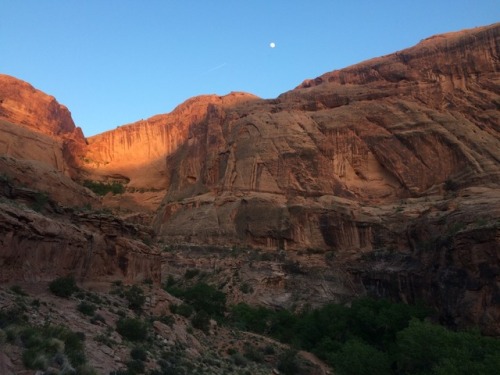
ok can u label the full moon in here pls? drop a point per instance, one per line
(272, 44)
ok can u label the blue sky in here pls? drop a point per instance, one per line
(112, 62)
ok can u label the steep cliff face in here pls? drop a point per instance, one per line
(34, 126)
(269, 172)
(22, 104)
(136, 153)
(377, 164)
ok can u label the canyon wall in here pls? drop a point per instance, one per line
(391, 166)
(268, 172)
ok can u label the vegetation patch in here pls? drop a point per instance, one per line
(373, 337)
(63, 286)
(132, 329)
(103, 188)
(202, 297)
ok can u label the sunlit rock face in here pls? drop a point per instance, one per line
(35, 127)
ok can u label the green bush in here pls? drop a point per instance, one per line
(201, 321)
(359, 358)
(132, 329)
(63, 286)
(202, 297)
(138, 353)
(43, 345)
(428, 348)
(86, 308)
(18, 290)
(253, 354)
(183, 309)
(135, 367)
(102, 188)
(191, 273)
(40, 200)
(12, 316)
(374, 337)
(135, 297)
(238, 359)
(288, 363)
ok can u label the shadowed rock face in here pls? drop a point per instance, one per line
(391, 166)
(270, 173)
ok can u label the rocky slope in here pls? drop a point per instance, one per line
(381, 178)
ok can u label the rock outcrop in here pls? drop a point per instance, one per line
(41, 240)
(34, 126)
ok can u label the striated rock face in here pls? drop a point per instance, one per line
(136, 153)
(50, 241)
(360, 163)
(277, 173)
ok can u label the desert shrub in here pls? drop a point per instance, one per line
(238, 359)
(269, 350)
(138, 353)
(288, 363)
(86, 308)
(191, 273)
(135, 297)
(451, 185)
(184, 309)
(63, 286)
(132, 329)
(48, 345)
(202, 297)
(135, 367)
(253, 354)
(103, 188)
(201, 321)
(97, 318)
(169, 320)
(18, 290)
(12, 316)
(246, 288)
(250, 318)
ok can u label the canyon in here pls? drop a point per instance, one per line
(380, 179)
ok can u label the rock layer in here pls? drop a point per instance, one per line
(48, 241)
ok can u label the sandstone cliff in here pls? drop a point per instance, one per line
(269, 173)
(41, 240)
(47, 225)
(35, 127)
(387, 171)
(392, 165)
